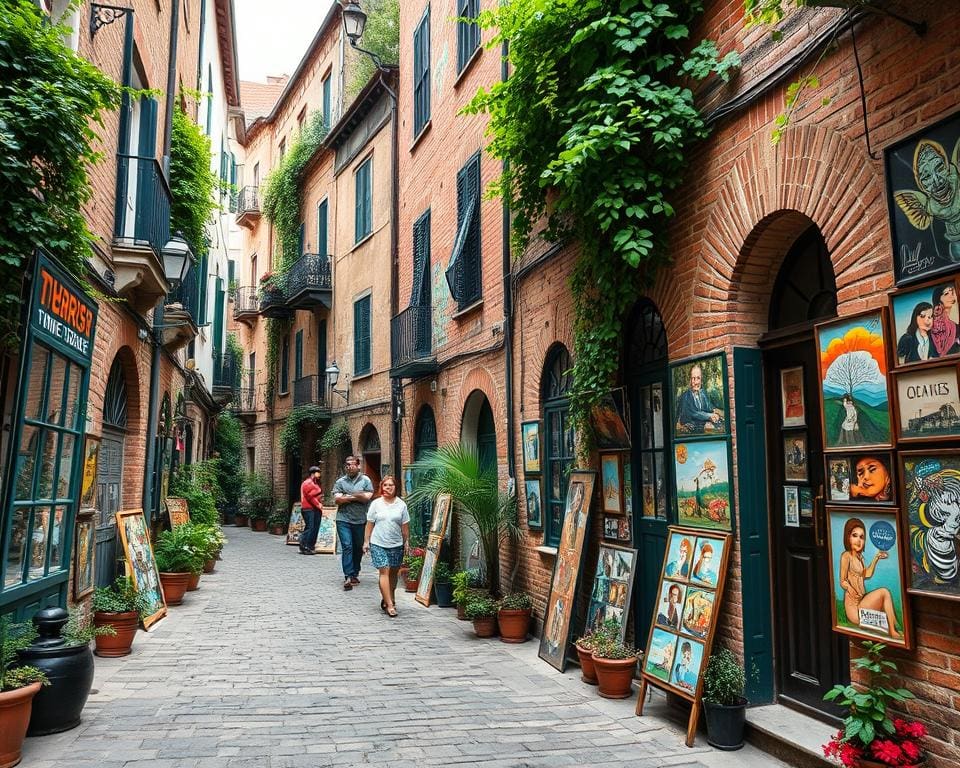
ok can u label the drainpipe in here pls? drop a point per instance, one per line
(171, 84)
(508, 308)
(394, 260)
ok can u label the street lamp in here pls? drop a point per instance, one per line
(177, 258)
(333, 376)
(354, 21)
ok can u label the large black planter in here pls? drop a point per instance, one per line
(444, 593)
(69, 668)
(725, 724)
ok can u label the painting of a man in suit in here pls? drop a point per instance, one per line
(696, 413)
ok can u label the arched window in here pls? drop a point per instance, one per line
(115, 397)
(425, 432)
(806, 287)
(558, 438)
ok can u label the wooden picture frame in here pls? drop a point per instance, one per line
(696, 562)
(610, 596)
(930, 484)
(88, 481)
(178, 511)
(327, 535)
(703, 486)
(564, 584)
(296, 525)
(533, 498)
(611, 422)
(610, 527)
(141, 564)
(792, 407)
(438, 529)
(85, 557)
(795, 456)
(854, 347)
(935, 304)
(611, 483)
(880, 573)
(861, 478)
(530, 445)
(705, 412)
(927, 402)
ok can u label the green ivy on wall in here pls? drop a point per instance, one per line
(597, 118)
(192, 183)
(382, 37)
(335, 436)
(300, 417)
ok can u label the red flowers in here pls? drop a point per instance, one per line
(417, 552)
(899, 750)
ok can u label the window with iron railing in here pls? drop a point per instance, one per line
(421, 73)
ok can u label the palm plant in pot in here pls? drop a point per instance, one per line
(513, 616)
(482, 611)
(723, 703)
(615, 664)
(177, 559)
(18, 686)
(118, 607)
(442, 584)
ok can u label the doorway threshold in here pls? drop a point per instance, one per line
(789, 735)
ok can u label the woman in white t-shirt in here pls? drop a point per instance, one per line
(386, 537)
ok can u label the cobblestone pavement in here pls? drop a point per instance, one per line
(272, 665)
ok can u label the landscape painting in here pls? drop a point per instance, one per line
(853, 380)
(928, 403)
(703, 484)
(659, 659)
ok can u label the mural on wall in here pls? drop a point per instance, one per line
(703, 484)
(925, 322)
(923, 187)
(853, 366)
(699, 396)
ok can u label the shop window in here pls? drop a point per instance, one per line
(558, 445)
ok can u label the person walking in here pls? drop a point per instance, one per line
(311, 502)
(352, 493)
(386, 539)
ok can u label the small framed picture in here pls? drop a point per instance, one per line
(611, 473)
(861, 478)
(85, 557)
(699, 396)
(623, 529)
(530, 430)
(791, 397)
(88, 484)
(795, 456)
(928, 401)
(806, 503)
(610, 528)
(925, 321)
(534, 501)
(791, 506)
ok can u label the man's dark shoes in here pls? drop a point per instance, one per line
(347, 585)
(354, 580)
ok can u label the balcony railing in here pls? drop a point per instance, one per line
(143, 202)
(187, 294)
(248, 399)
(411, 342)
(227, 373)
(246, 303)
(310, 390)
(273, 300)
(309, 282)
(248, 205)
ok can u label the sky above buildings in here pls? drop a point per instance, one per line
(273, 35)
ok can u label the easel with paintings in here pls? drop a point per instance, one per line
(684, 628)
(438, 529)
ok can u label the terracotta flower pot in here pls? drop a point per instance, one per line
(210, 565)
(411, 586)
(15, 707)
(485, 627)
(615, 677)
(174, 586)
(193, 583)
(241, 521)
(462, 612)
(514, 625)
(588, 673)
(260, 526)
(277, 530)
(124, 624)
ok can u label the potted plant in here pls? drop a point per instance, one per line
(482, 611)
(414, 569)
(118, 607)
(585, 646)
(513, 616)
(17, 689)
(442, 584)
(615, 664)
(870, 737)
(465, 588)
(257, 501)
(723, 701)
(277, 522)
(177, 560)
(213, 541)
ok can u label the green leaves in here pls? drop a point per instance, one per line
(192, 183)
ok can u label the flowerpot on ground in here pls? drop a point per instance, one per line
(411, 586)
(444, 593)
(193, 583)
(724, 680)
(485, 626)
(241, 521)
(210, 565)
(124, 624)
(174, 586)
(482, 611)
(725, 724)
(277, 530)
(614, 676)
(588, 673)
(15, 709)
(513, 617)
(258, 525)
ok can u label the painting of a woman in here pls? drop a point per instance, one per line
(871, 480)
(679, 567)
(916, 344)
(854, 575)
(944, 330)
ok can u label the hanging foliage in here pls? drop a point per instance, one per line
(192, 183)
(300, 417)
(335, 436)
(382, 37)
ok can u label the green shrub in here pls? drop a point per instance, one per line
(120, 597)
(724, 679)
(228, 443)
(175, 552)
(14, 638)
(608, 648)
(80, 629)
(197, 483)
(516, 601)
(480, 608)
(442, 574)
(257, 501)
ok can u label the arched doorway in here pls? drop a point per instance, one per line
(645, 375)
(477, 430)
(810, 657)
(110, 472)
(370, 450)
(424, 441)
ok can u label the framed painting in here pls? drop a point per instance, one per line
(806, 504)
(610, 527)
(855, 403)
(611, 479)
(431, 554)
(699, 396)
(327, 537)
(623, 530)
(296, 525)
(930, 481)
(84, 579)
(534, 499)
(866, 575)
(612, 588)
(924, 321)
(861, 478)
(922, 201)
(141, 565)
(792, 409)
(530, 434)
(791, 506)
(928, 403)
(609, 421)
(795, 456)
(702, 476)
(561, 608)
(441, 514)
(88, 483)
(177, 511)
(627, 488)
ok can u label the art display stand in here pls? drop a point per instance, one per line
(438, 529)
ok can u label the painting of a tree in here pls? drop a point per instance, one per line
(852, 369)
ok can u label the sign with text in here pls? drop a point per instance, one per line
(61, 311)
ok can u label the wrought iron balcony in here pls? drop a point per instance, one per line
(248, 206)
(248, 399)
(310, 390)
(187, 294)
(227, 375)
(411, 343)
(273, 300)
(246, 304)
(309, 282)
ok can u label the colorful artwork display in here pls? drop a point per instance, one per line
(141, 565)
(296, 525)
(612, 587)
(793, 412)
(659, 655)
(703, 484)
(853, 367)
(791, 506)
(530, 432)
(931, 491)
(609, 421)
(534, 503)
(177, 510)
(923, 187)
(928, 403)
(699, 392)
(795, 456)
(861, 478)
(88, 483)
(866, 575)
(555, 640)
(327, 536)
(85, 548)
(925, 322)
(611, 478)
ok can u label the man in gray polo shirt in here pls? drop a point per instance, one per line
(352, 493)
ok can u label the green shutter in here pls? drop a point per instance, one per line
(361, 336)
(220, 311)
(202, 287)
(298, 357)
(420, 293)
(322, 247)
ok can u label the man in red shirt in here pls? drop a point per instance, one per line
(311, 502)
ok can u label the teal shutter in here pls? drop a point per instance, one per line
(202, 287)
(322, 247)
(361, 336)
(363, 209)
(146, 189)
(298, 356)
(420, 293)
(218, 318)
(326, 102)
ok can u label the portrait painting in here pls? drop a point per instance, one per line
(928, 403)
(561, 607)
(441, 514)
(861, 478)
(925, 322)
(704, 497)
(679, 556)
(698, 612)
(686, 665)
(866, 575)
(795, 456)
(530, 434)
(659, 658)
(610, 527)
(699, 392)
(669, 611)
(853, 380)
(609, 422)
(531, 490)
(141, 565)
(708, 555)
(85, 557)
(923, 192)
(791, 506)
(612, 586)
(931, 494)
(611, 479)
(792, 413)
(88, 483)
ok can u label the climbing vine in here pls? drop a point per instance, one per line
(595, 124)
(277, 328)
(382, 37)
(300, 417)
(192, 183)
(334, 437)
